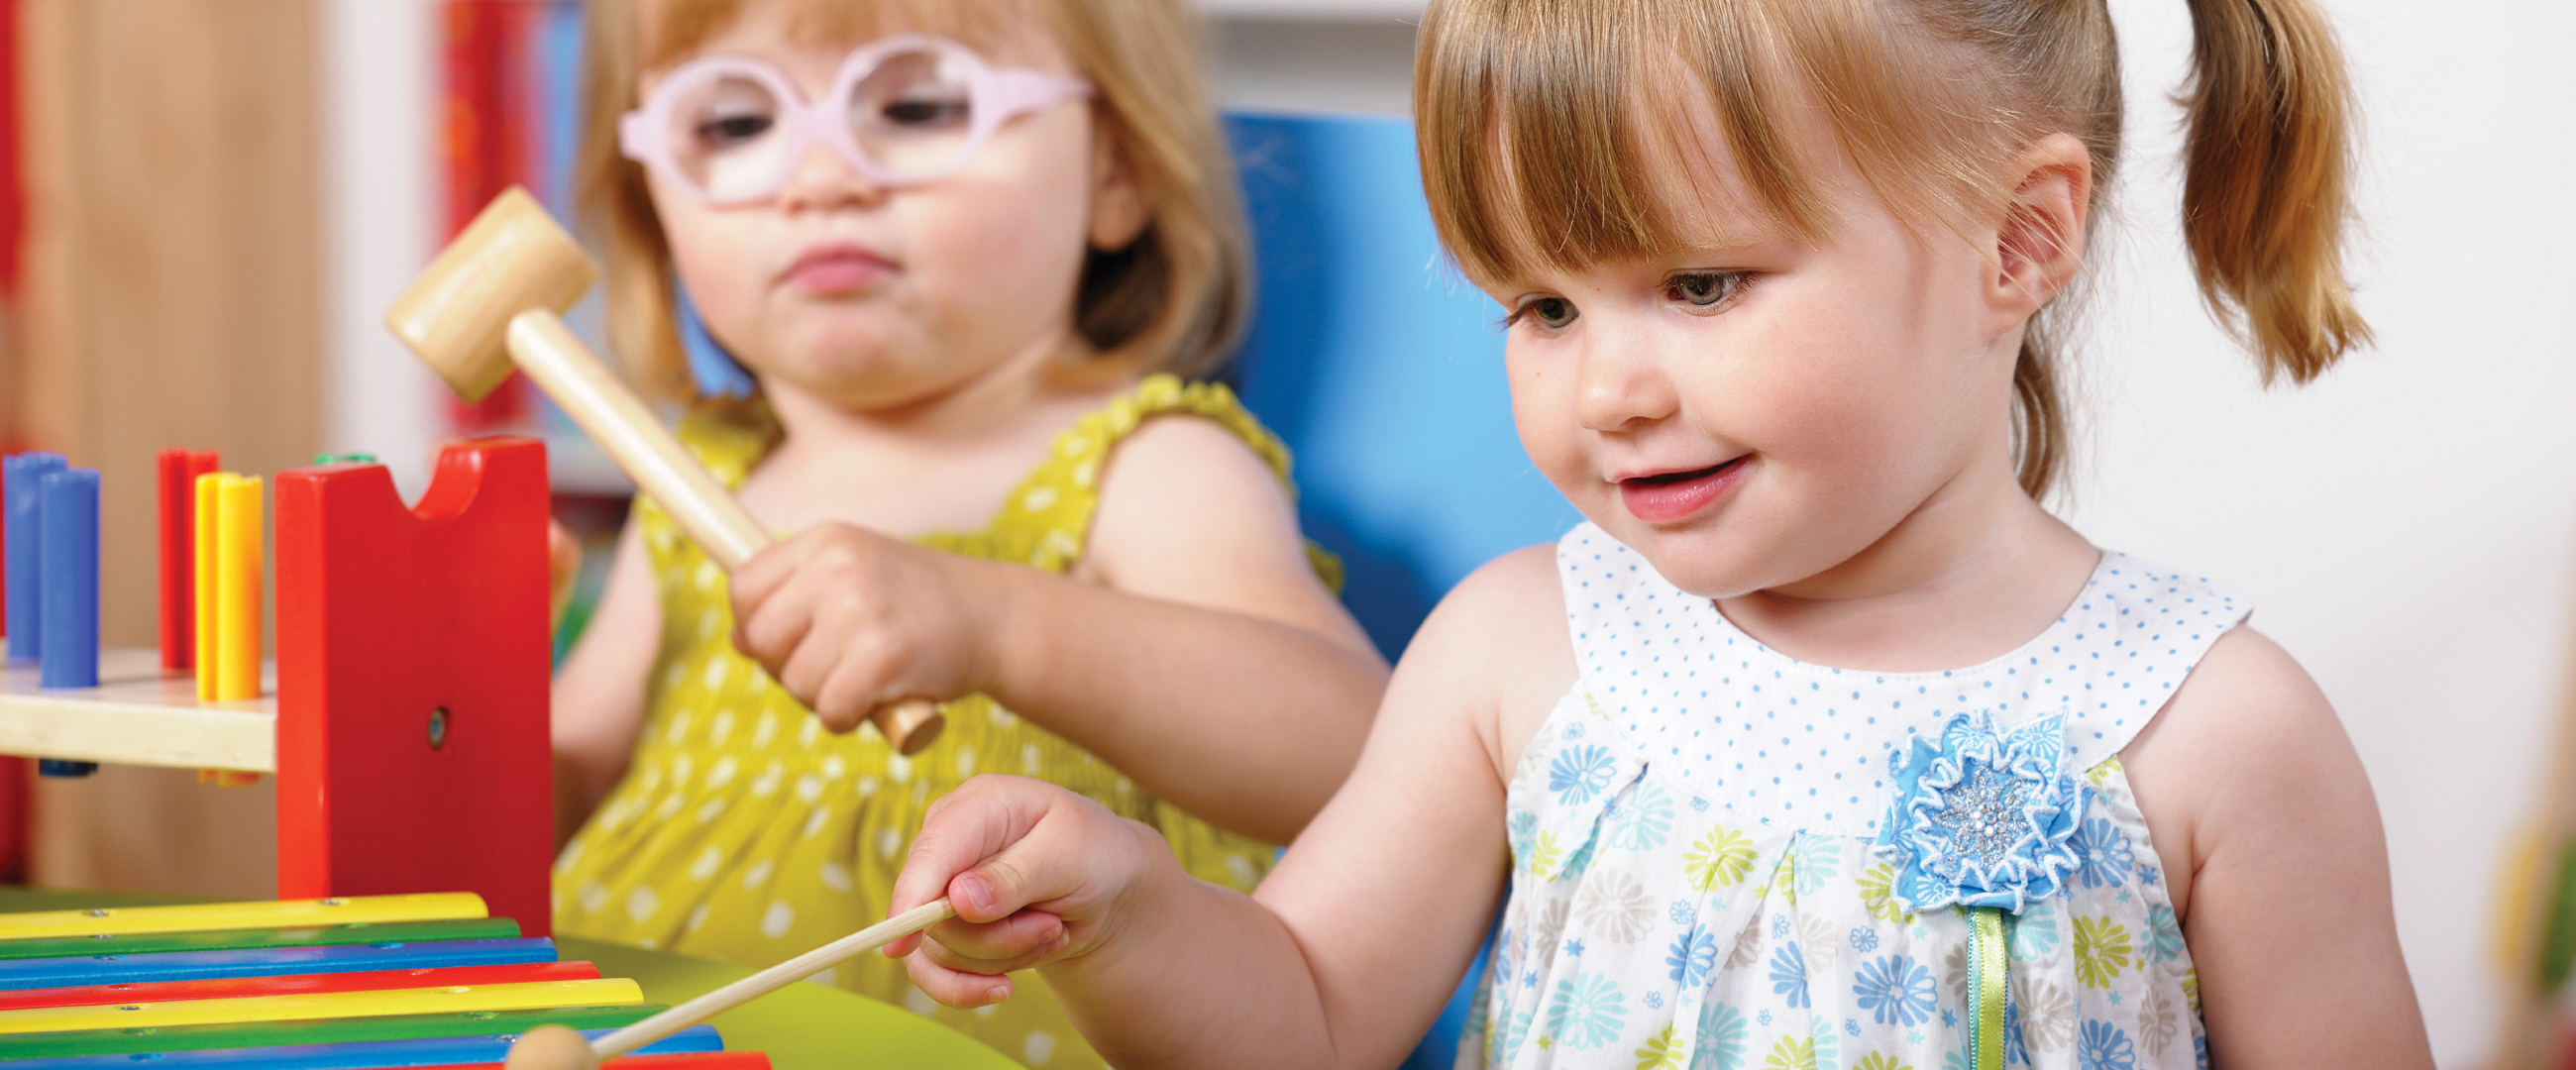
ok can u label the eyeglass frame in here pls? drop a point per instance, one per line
(995, 95)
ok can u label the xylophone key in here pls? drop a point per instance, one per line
(451, 998)
(297, 1032)
(240, 939)
(199, 917)
(709, 1060)
(262, 962)
(287, 984)
(362, 1055)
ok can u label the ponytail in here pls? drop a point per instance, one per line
(2264, 190)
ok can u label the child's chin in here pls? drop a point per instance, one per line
(1700, 558)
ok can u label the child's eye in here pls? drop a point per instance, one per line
(920, 112)
(724, 131)
(1703, 289)
(1551, 312)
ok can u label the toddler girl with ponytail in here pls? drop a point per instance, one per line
(1822, 743)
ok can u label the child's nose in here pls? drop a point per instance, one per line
(1621, 384)
(821, 179)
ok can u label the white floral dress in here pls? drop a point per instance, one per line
(1724, 857)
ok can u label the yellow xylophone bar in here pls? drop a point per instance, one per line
(343, 910)
(539, 995)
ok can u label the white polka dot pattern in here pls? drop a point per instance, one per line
(1805, 747)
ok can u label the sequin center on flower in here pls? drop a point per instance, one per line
(1982, 818)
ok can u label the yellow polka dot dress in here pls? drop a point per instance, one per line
(745, 832)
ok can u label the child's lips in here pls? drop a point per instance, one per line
(1668, 497)
(837, 269)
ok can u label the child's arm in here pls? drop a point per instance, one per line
(1347, 951)
(599, 692)
(2266, 826)
(1194, 650)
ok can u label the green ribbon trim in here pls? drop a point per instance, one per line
(1985, 987)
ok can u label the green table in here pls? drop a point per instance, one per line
(802, 1026)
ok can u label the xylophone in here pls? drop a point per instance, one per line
(422, 980)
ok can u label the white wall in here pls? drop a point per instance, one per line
(2405, 527)
(379, 144)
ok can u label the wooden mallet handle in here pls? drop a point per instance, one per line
(491, 300)
(772, 979)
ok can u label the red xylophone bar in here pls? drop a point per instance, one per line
(708, 1060)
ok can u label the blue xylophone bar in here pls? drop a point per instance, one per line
(361, 1055)
(268, 962)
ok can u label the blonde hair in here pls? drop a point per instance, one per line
(1535, 144)
(1175, 299)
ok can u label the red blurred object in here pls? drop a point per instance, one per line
(179, 470)
(485, 153)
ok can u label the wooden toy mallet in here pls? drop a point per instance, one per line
(555, 1047)
(493, 298)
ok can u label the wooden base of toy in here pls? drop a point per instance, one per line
(137, 715)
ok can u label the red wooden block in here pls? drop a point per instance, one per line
(704, 1060)
(413, 664)
(295, 984)
(179, 472)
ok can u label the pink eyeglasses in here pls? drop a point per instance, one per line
(903, 111)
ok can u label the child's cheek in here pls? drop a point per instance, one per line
(1543, 411)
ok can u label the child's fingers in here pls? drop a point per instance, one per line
(964, 827)
(956, 988)
(854, 686)
(769, 570)
(1014, 943)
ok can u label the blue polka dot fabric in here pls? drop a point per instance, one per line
(1691, 829)
(1806, 746)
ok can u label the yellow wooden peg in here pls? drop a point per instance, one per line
(239, 537)
(209, 491)
(448, 999)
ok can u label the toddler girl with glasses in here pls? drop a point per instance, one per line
(1821, 744)
(929, 276)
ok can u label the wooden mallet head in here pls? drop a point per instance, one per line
(491, 301)
(511, 258)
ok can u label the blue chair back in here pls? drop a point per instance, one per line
(1381, 367)
(1383, 370)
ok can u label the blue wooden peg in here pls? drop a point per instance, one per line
(19, 479)
(67, 556)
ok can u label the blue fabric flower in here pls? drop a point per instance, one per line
(1579, 773)
(1982, 818)
(1789, 974)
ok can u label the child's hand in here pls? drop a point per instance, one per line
(1036, 873)
(848, 620)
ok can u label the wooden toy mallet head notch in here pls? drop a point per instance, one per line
(492, 300)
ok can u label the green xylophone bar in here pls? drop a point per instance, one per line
(251, 939)
(309, 1031)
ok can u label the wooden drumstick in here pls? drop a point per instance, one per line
(557, 1048)
(492, 299)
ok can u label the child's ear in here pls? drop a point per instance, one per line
(2039, 244)
(1117, 202)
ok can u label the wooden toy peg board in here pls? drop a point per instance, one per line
(412, 748)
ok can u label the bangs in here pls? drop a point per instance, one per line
(1562, 133)
(669, 29)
